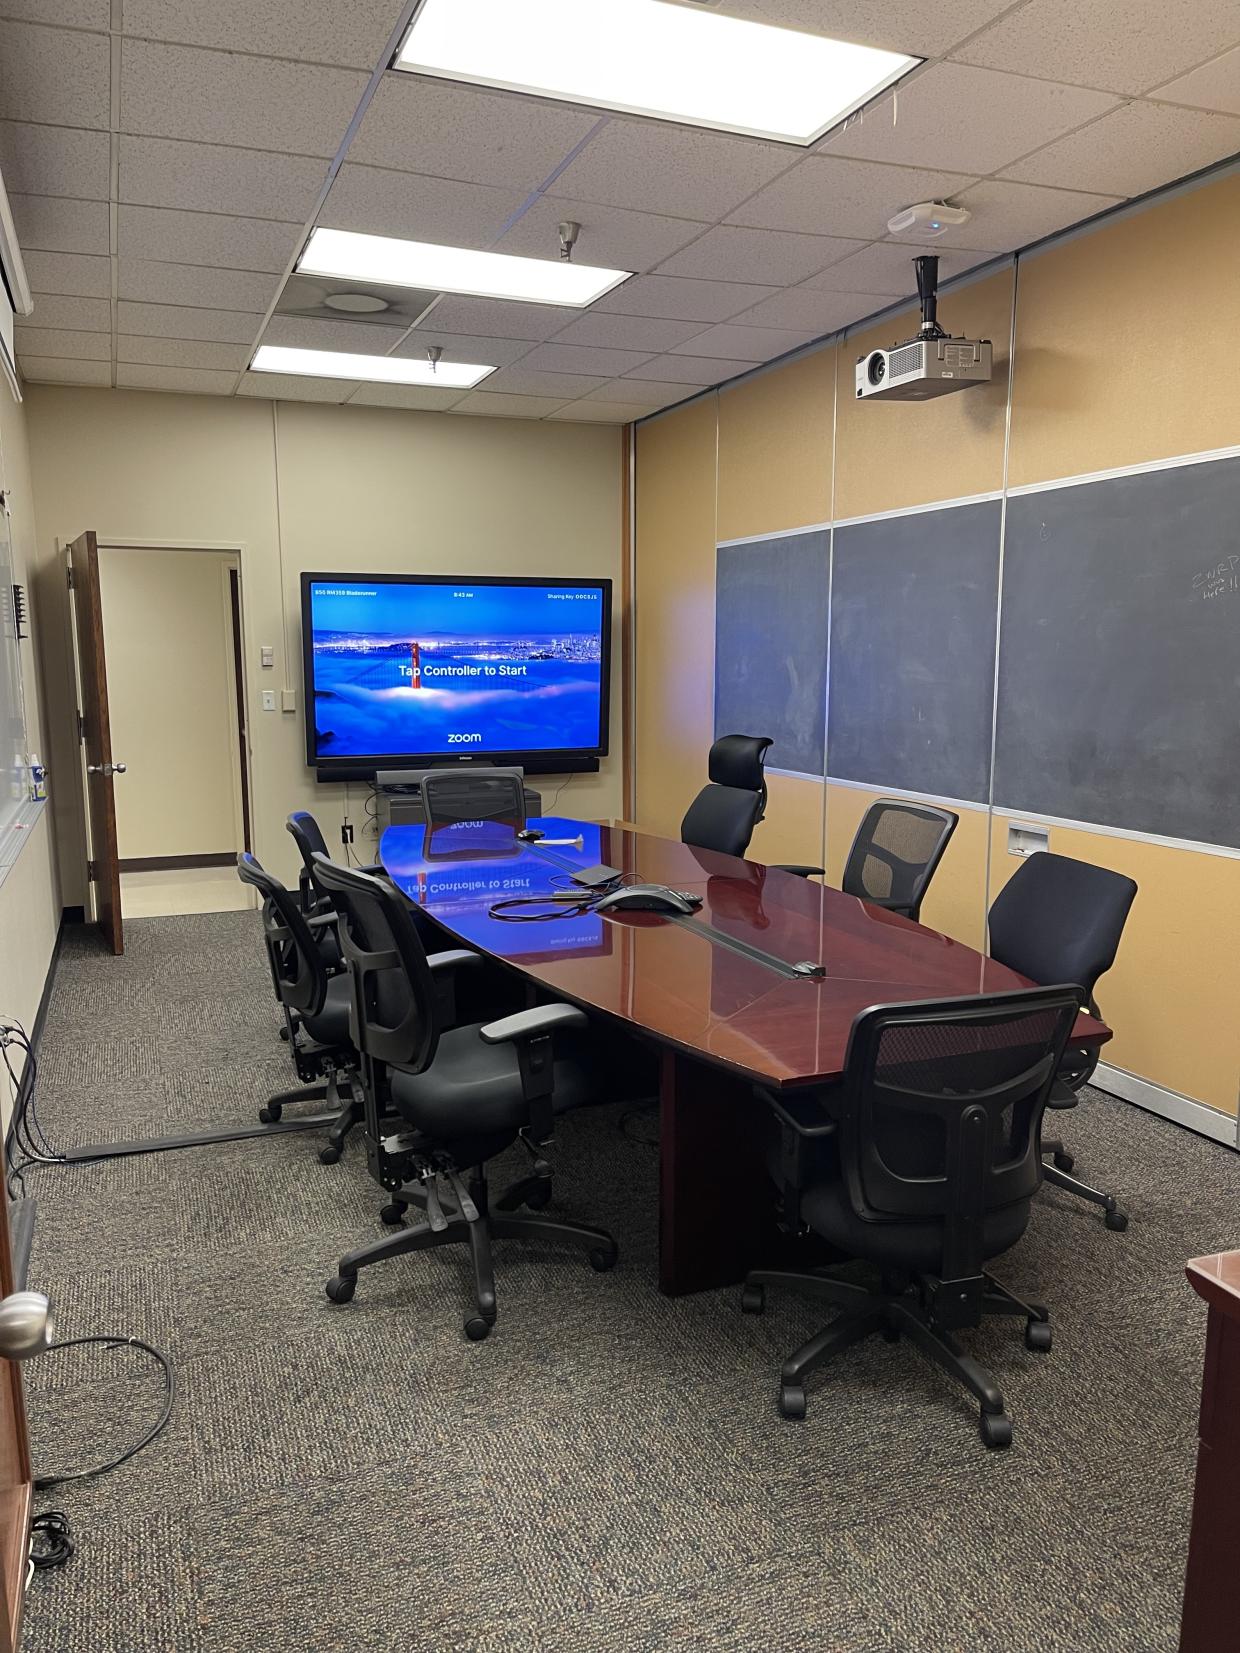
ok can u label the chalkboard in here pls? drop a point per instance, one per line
(771, 645)
(913, 611)
(1119, 667)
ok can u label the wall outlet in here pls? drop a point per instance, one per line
(269, 700)
(1025, 839)
(346, 833)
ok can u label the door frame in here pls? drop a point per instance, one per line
(239, 550)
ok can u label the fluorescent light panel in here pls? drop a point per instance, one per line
(350, 256)
(382, 370)
(647, 57)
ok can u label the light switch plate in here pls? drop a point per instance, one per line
(267, 656)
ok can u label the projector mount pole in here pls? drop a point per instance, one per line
(927, 267)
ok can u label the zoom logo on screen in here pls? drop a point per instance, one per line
(464, 740)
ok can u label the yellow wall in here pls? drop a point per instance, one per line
(315, 487)
(1081, 394)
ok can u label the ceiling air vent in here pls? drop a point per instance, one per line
(324, 298)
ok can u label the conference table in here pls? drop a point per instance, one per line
(715, 993)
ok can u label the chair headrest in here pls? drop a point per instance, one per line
(737, 760)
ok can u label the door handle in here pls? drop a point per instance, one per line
(108, 769)
(26, 1326)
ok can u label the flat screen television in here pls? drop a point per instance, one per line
(407, 671)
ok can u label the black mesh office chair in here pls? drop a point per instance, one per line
(462, 1095)
(1057, 919)
(453, 795)
(314, 997)
(894, 854)
(725, 812)
(936, 1123)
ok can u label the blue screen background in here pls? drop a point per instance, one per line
(496, 668)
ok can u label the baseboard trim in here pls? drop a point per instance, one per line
(1168, 1104)
(174, 863)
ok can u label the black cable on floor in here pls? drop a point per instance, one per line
(51, 1540)
(44, 1481)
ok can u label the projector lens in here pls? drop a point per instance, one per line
(876, 368)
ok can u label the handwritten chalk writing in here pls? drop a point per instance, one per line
(1223, 580)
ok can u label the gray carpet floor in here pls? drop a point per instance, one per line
(606, 1474)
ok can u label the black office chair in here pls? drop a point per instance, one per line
(462, 1095)
(314, 998)
(936, 1122)
(894, 854)
(1057, 919)
(450, 796)
(725, 812)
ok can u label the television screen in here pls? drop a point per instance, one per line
(408, 670)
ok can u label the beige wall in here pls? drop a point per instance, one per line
(1074, 395)
(322, 488)
(167, 629)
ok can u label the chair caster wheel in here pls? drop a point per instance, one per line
(329, 1155)
(1063, 1160)
(1038, 1336)
(1116, 1221)
(603, 1258)
(284, 1034)
(792, 1400)
(476, 1328)
(995, 1429)
(341, 1289)
(538, 1199)
(269, 1113)
(753, 1299)
(394, 1214)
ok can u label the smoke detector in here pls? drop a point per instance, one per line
(929, 219)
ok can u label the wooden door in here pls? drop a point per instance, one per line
(15, 1476)
(95, 733)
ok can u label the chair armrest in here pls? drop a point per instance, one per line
(542, 1020)
(321, 921)
(800, 1124)
(452, 958)
(798, 869)
(1061, 1096)
(821, 1126)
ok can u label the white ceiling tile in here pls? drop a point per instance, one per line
(649, 393)
(171, 321)
(51, 341)
(690, 370)
(886, 267)
(582, 358)
(677, 298)
(1215, 85)
(752, 344)
(70, 14)
(967, 119)
(909, 26)
(181, 352)
(685, 172)
(248, 183)
(830, 196)
(419, 397)
(646, 333)
(808, 309)
(208, 238)
(500, 318)
(293, 387)
(56, 370)
(159, 283)
(769, 257)
(223, 97)
(54, 224)
(468, 132)
(309, 333)
(1007, 215)
(610, 238)
(198, 380)
(462, 347)
(318, 31)
(528, 381)
(54, 160)
(1128, 48)
(376, 201)
(84, 314)
(78, 274)
(1135, 149)
(602, 413)
(508, 407)
(59, 76)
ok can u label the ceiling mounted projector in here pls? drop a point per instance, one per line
(933, 363)
(928, 219)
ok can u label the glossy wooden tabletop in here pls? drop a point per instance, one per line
(680, 986)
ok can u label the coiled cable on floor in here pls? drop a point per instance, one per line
(51, 1541)
(42, 1482)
